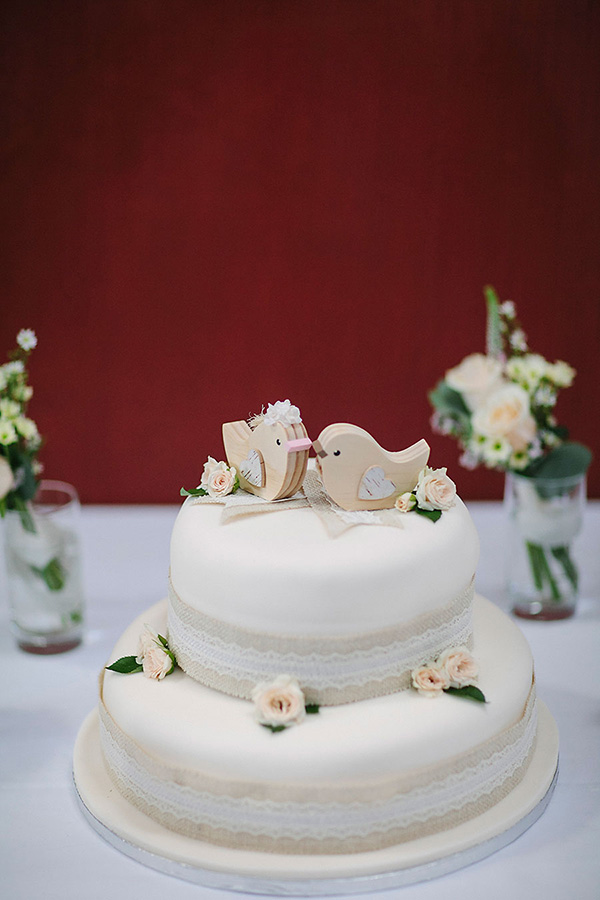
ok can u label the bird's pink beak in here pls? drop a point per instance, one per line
(298, 444)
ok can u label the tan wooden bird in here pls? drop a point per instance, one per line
(271, 452)
(358, 473)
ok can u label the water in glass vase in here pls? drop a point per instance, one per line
(545, 516)
(43, 565)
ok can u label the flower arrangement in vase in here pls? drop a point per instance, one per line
(499, 406)
(41, 543)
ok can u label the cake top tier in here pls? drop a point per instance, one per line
(281, 572)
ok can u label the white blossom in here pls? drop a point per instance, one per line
(26, 339)
(282, 411)
(468, 459)
(14, 368)
(496, 451)
(518, 340)
(27, 428)
(519, 460)
(544, 396)
(561, 374)
(8, 435)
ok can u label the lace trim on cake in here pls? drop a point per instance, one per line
(343, 818)
(330, 670)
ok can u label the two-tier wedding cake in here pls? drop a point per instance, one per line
(322, 695)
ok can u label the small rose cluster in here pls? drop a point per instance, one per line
(454, 670)
(500, 405)
(281, 703)
(434, 493)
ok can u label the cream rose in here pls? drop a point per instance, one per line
(506, 414)
(221, 481)
(147, 639)
(157, 662)
(280, 702)
(430, 680)
(209, 467)
(7, 479)
(435, 490)
(405, 502)
(459, 666)
(475, 378)
(218, 479)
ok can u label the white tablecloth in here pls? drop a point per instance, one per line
(48, 849)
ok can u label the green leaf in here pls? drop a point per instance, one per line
(493, 331)
(195, 492)
(53, 574)
(274, 728)
(469, 691)
(568, 460)
(449, 402)
(311, 709)
(163, 641)
(126, 665)
(433, 514)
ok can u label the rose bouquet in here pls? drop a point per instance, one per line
(499, 406)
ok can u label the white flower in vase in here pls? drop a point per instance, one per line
(475, 378)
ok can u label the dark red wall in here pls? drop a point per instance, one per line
(213, 205)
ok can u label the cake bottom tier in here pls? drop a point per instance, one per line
(352, 780)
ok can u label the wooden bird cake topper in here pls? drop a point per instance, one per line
(270, 452)
(359, 474)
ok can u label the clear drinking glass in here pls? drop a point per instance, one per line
(545, 516)
(44, 573)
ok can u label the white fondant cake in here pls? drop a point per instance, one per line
(362, 630)
(350, 617)
(353, 778)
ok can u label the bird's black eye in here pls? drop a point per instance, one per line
(278, 442)
(336, 452)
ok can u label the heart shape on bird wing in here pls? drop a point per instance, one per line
(253, 468)
(375, 486)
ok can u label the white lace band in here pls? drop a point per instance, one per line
(330, 670)
(321, 818)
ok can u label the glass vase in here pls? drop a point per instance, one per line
(43, 568)
(545, 515)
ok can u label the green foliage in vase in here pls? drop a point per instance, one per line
(20, 444)
(499, 406)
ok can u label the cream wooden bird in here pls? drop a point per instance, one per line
(270, 453)
(359, 474)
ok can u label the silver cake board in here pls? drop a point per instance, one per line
(140, 838)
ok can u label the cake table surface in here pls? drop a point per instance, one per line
(49, 850)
